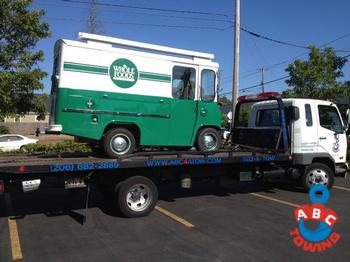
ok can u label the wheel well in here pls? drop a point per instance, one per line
(202, 127)
(129, 126)
(326, 161)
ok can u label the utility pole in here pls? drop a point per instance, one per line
(236, 59)
(262, 70)
(94, 25)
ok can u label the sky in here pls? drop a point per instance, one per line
(205, 26)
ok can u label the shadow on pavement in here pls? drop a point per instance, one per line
(72, 203)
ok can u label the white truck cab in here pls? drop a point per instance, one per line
(311, 132)
(319, 129)
(316, 133)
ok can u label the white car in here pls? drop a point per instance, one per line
(12, 142)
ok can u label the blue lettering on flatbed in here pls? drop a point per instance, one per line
(84, 166)
(251, 159)
(184, 162)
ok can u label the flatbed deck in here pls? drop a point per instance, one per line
(77, 162)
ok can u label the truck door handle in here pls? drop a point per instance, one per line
(323, 138)
(161, 101)
(203, 111)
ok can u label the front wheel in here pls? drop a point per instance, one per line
(208, 139)
(118, 142)
(317, 173)
(136, 196)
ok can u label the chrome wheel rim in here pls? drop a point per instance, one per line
(210, 141)
(317, 176)
(139, 197)
(120, 144)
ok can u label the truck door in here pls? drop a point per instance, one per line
(208, 110)
(184, 104)
(331, 138)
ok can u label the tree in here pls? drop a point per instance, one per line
(20, 76)
(346, 90)
(40, 102)
(94, 25)
(316, 77)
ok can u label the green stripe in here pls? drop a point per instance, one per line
(102, 70)
(85, 68)
(155, 77)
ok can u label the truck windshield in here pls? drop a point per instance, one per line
(329, 118)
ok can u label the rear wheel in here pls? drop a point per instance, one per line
(136, 196)
(317, 173)
(118, 142)
(208, 139)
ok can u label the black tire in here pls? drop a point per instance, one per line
(213, 145)
(317, 173)
(111, 150)
(136, 196)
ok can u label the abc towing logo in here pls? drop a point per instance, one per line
(123, 73)
(322, 237)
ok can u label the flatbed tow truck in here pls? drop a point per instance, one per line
(135, 177)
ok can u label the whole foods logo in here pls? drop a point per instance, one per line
(123, 73)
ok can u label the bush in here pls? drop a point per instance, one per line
(4, 130)
(68, 146)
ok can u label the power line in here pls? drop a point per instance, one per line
(300, 55)
(188, 12)
(142, 13)
(258, 85)
(271, 39)
(268, 82)
(148, 8)
(145, 24)
(305, 53)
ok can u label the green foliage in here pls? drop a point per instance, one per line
(4, 130)
(40, 106)
(224, 101)
(68, 146)
(224, 121)
(244, 114)
(316, 77)
(346, 90)
(20, 30)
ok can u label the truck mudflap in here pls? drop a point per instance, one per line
(342, 170)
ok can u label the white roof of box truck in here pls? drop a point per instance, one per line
(112, 44)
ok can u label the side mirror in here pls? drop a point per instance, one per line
(348, 117)
(292, 113)
(296, 114)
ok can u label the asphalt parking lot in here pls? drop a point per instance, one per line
(249, 222)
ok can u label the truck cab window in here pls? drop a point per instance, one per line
(308, 115)
(329, 118)
(208, 85)
(184, 82)
(268, 117)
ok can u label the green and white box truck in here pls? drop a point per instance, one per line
(125, 94)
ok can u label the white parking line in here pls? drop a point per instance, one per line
(342, 188)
